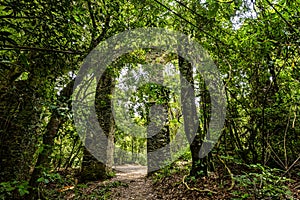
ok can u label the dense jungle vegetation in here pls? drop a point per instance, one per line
(253, 43)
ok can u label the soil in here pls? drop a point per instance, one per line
(138, 185)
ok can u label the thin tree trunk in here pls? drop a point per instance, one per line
(52, 128)
(191, 121)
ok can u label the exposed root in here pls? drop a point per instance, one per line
(196, 189)
(231, 175)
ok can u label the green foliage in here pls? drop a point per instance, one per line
(67, 147)
(101, 192)
(178, 167)
(265, 183)
(8, 188)
(50, 177)
(43, 44)
(129, 149)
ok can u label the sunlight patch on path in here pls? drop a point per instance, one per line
(139, 187)
(130, 171)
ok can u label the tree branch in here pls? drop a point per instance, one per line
(16, 17)
(199, 28)
(104, 30)
(11, 47)
(280, 15)
(93, 19)
(194, 12)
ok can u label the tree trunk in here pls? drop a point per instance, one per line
(52, 128)
(93, 169)
(19, 115)
(158, 133)
(191, 122)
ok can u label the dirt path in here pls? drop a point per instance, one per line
(138, 186)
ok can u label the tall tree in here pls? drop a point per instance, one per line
(32, 61)
(93, 169)
(194, 132)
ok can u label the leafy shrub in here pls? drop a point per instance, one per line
(264, 183)
(7, 189)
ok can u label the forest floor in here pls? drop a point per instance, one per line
(137, 185)
(131, 182)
